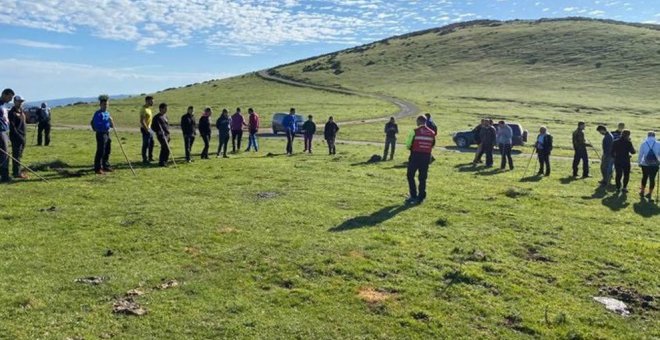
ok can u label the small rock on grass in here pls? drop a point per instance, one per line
(127, 305)
(92, 280)
(135, 292)
(168, 284)
(613, 305)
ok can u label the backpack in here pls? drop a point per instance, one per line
(651, 159)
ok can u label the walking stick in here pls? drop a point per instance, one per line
(19, 163)
(122, 151)
(34, 136)
(530, 161)
(170, 150)
(657, 189)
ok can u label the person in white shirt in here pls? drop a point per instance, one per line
(649, 161)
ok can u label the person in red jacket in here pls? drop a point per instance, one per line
(237, 124)
(420, 143)
(253, 128)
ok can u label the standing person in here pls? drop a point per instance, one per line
(291, 127)
(430, 123)
(224, 126)
(43, 124)
(253, 129)
(622, 149)
(505, 142)
(476, 132)
(17, 135)
(420, 143)
(606, 162)
(309, 129)
(161, 127)
(330, 134)
(101, 124)
(580, 147)
(205, 131)
(488, 140)
(237, 123)
(391, 130)
(619, 130)
(189, 129)
(544, 149)
(6, 97)
(649, 160)
(146, 117)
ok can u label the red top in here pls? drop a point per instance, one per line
(253, 122)
(423, 140)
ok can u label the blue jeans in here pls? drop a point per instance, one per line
(147, 145)
(252, 141)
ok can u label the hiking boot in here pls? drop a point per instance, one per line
(411, 200)
(99, 172)
(22, 176)
(6, 180)
(108, 169)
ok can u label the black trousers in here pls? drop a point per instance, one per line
(290, 136)
(488, 150)
(390, 145)
(622, 171)
(505, 152)
(418, 163)
(17, 147)
(164, 149)
(103, 149)
(206, 138)
(188, 141)
(648, 176)
(43, 130)
(147, 145)
(331, 145)
(581, 155)
(4, 159)
(544, 162)
(224, 141)
(236, 137)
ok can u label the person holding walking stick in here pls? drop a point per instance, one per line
(606, 161)
(6, 97)
(161, 127)
(17, 136)
(101, 124)
(580, 147)
(543, 148)
(648, 160)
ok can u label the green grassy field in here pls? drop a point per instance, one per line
(314, 246)
(266, 97)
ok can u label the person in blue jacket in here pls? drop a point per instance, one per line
(290, 126)
(101, 124)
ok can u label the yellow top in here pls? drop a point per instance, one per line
(145, 114)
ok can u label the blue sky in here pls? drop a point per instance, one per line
(72, 48)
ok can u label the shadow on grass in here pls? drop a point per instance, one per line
(646, 208)
(403, 165)
(599, 193)
(375, 218)
(533, 178)
(616, 202)
(568, 180)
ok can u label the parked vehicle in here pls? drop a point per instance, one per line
(279, 117)
(32, 114)
(464, 139)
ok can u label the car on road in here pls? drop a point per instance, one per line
(279, 117)
(464, 139)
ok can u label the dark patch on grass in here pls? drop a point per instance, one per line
(421, 316)
(514, 192)
(267, 195)
(533, 254)
(514, 321)
(56, 164)
(636, 301)
(286, 284)
(108, 253)
(442, 222)
(52, 208)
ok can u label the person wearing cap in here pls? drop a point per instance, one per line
(253, 129)
(309, 129)
(17, 135)
(420, 143)
(543, 150)
(101, 124)
(391, 130)
(43, 125)
(6, 96)
(504, 136)
(205, 131)
(189, 129)
(580, 147)
(146, 116)
(606, 162)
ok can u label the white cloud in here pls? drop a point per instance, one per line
(34, 78)
(35, 44)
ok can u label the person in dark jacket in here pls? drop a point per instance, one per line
(101, 124)
(580, 147)
(504, 136)
(543, 150)
(330, 134)
(17, 136)
(189, 129)
(430, 123)
(606, 162)
(488, 136)
(476, 132)
(237, 124)
(621, 151)
(616, 134)
(161, 128)
(420, 143)
(391, 130)
(205, 131)
(223, 124)
(253, 129)
(291, 127)
(43, 124)
(309, 129)
(6, 97)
